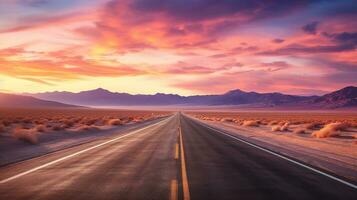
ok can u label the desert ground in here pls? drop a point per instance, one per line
(27, 133)
(324, 139)
(28, 124)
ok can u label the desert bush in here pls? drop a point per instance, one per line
(330, 130)
(226, 120)
(40, 128)
(86, 128)
(251, 123)
(264, 122)
(275, 128)
(284, 127)
(271, 123)
(27, 135)
(68, 123)
(114, 122)
(299, 131)
(281, 127)
(281, 123)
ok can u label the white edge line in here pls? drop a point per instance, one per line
(77, 153)
(283, 157)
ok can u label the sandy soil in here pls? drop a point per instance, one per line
(13, 150)
(334, 154)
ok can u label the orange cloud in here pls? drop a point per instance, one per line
(56, 65)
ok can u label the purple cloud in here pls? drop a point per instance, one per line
(311, 28)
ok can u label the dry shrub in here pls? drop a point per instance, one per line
(281, 123)
(251, 123)
(284, 127)
(68, 123)
(275, 128)
(138, 119)
(114, 122)
(226, 120)
(281, 127)
(299, 131)
(40, 128)
(330, 130)
(86, 128)
(264, 122)
(27, 135)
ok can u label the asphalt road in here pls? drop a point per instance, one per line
(176, 158)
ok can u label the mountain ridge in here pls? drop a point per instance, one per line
(345, 97)
(14, 100)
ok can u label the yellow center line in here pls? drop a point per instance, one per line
(185, 188)
(176, 151)
(174, 190)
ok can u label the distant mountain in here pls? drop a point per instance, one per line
(102, 97)
(345, 97)
(11, 100)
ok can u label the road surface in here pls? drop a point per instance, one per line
(176, 158)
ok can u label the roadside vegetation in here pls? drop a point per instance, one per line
(340, 125)
(27, 124)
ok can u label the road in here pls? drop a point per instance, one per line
(176, 158)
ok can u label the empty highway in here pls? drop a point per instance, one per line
(175, 158)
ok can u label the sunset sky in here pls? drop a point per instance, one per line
(178, 46)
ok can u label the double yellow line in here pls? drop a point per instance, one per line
(179, 150)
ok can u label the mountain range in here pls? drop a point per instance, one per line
(12, 100)
(346, 97)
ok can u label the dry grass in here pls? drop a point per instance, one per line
(321, 124)
(271, 123)
(114, 122)
(251, 123)
(25, 124)
(282, 126)
(227, 120)
(86, 128)
(40, 128)
(330, 130)
(277, 116)
(27, 135)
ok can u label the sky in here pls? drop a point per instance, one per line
(304, 47)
